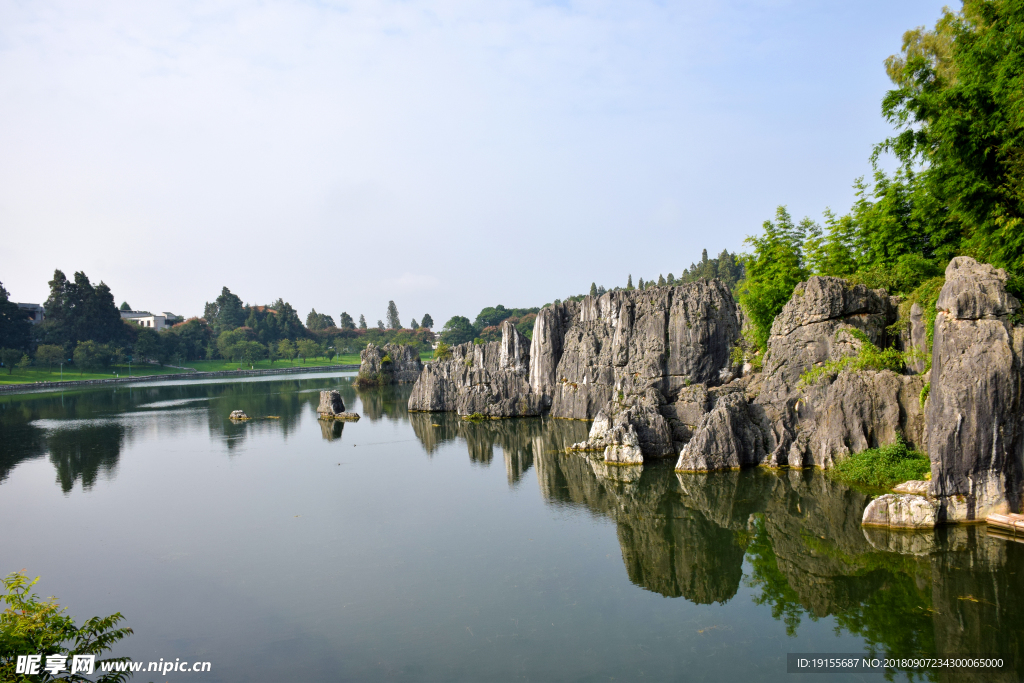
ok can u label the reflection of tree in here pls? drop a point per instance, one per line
(772, 584)
(84, 452)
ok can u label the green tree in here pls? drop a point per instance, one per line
(413, 325)
(308, 349)
(661, 280)
(252, 352)
(593, 289)
(442, 352)
(10, 358)
(318, 321)
(772, 272)
(458, 330)
(125, 306)
(362, 321)
(15, 329)
(629, 283)
(24, 362)
(345, 321)
(49, 354)
(30, 625)
(226, 312)
(393, 322)
(958, 111)
(78, 311)
(89, 355)
(427, 321)
(286, 349)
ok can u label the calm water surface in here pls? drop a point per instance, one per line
(415, 547)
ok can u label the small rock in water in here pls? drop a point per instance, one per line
(902, 510)
(238, 415)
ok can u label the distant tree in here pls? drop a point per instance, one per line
(288, 324)
(90, 355)
(629, 283)
(670, 279)
(49, 354)
(318, 321)
(286, 349)
(393, 322)
(640, 285)
(458, 330)
(601, 290)
(76, 310)
(252, 352)
(10, 358)
(15, 329)
(362, 321)
(413, 324)
(273, 352)
(661, 281)
(226, 312)
(381, 326)
(593, 289)
(345, 321)
(427, 322)
(24, 362)
(308, 349)
(125, 306)
(330, 353)
(442, 352)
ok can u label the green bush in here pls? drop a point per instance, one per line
(883, 468)
(442, 352)
(31, 626)
(870, 357)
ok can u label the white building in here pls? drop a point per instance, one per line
(154, 321)
(34, 312)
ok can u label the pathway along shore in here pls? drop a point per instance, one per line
(33, 387)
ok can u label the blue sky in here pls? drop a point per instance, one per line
(446, 155)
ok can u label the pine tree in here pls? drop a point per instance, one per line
(661, 280)
(593, 289)
(427, 322)
(362, 321)
(393, 321)
(345, 321)
(414, 325)
(640, 285)
(380, 325)
(671, 279)
(629, 283)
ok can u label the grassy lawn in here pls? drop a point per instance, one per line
(217, 365)
(35, 374)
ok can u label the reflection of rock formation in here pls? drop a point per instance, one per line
(84, 452)
(977, 601)
(331, 429)
(950, 591)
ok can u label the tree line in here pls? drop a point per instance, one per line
(83, 326)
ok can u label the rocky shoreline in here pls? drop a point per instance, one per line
(659, 374)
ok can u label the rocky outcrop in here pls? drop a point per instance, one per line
(790, 422)
(635, 362)
(238, 415)
(975, 438)
(901, 510)
(332, 407)
(639, 364)
(391, 363)
(488, 379)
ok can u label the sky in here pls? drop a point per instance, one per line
(446, 155)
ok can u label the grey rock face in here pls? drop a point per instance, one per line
(796, 425)
(238, 415)
(901, 510)
(331, 403)
(918, 337)
(642, 359)
(490, 379)
(403, 364)
(332, 407)
(975, 439)
(916, 487)
(730, 436)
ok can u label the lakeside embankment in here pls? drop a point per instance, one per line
(52, 386)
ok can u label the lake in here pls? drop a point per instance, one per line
(422, 547)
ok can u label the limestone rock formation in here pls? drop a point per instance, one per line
(797, 424)
(332, 407)
(902, 510)
(238, 415)
(975, 438)
(399, 363)
(730, 436)
(490, 379)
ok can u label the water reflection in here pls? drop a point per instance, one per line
(688, 536)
